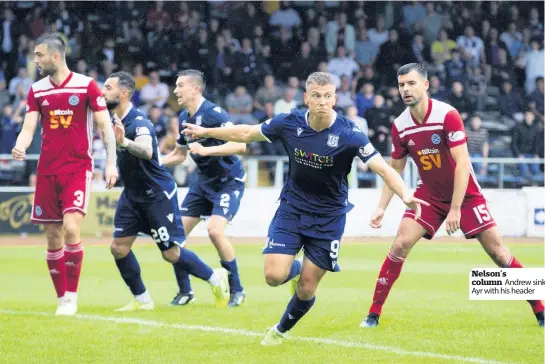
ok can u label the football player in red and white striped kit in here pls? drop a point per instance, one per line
(65, 103)
(433, 134)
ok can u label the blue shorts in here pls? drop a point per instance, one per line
(161, 219)
(205, 199)
(318, 235)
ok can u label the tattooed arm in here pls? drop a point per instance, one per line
(141, 147)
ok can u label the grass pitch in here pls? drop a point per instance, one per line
(427, 319)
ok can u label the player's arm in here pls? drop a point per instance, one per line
(387, 193)
(456, 140)
(393, 180)
(141, 146)
(226, 149)
(102, 119)
(236, 133)
(177, 156)
(460, 155)
(25, 136)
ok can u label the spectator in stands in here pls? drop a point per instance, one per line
(513, 40)
(248, 66)
(168, 142)
(432, 23)
(390, 57)
(493, 45)
(285, 17)
(369, 76)
(525, 144)
(365, 98)
(287, 103)
(419, 49)
(394, 103)
(378, 35)
(295, 84)
(4, 94)
(534, 25)
(307, 62)
(436, 90)
(459, 100)
(340, 33)
(269, 92)
(21, 79)
(477, 87)
(361, 123)
(239, 105)
(274, 148)
(282, 57)
(157, 118)
(221, 62)
(472, 47)
(441, 49)
(365, 51)
(510, 102)
(533, 64)
(342, 65)
(344, 94)
(317, 44)
(8, 129)
(154, 93)
(455, 68)
(477, 144)
(504, 70)
(536, 99)
(413, 15)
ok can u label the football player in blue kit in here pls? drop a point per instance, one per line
(220, 185)
(149, 201)
(314, 200)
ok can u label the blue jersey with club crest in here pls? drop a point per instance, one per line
(144, 180)
(319, 161)
(211, 168)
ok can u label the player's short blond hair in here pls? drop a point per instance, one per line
(320, 79)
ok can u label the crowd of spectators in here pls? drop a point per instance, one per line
(484, 58)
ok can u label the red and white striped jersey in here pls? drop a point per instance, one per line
(429, 143)
(66, 112)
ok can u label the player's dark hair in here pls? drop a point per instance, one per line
(54, 42)
(125, 80)
(196, 76)
(418, 67)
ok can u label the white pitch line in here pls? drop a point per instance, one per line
(243, 332)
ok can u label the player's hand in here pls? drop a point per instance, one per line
(119, 130)
(376, 219)
(110, 175)
(197, 148)
(414, 204)
(194, 131)
(453, 221)
(18, 153)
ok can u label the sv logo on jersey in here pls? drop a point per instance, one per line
(60, 117)
(429, 158)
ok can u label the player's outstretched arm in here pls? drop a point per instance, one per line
(102, 119)
(25, 136)
(177, 156)
(386, 196)
(226, 149)
(460, 154)
(395, 183)
(236, 133)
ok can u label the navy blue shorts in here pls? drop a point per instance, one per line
(161, 219)
(222, 199)
(319, 236)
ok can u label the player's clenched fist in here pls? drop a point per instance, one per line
(18, 153)
(193, 131)
(376, 219)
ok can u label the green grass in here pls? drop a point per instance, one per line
(428, 313)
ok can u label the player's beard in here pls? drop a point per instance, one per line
(48, 71)
(112, 104)
(414, 102)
